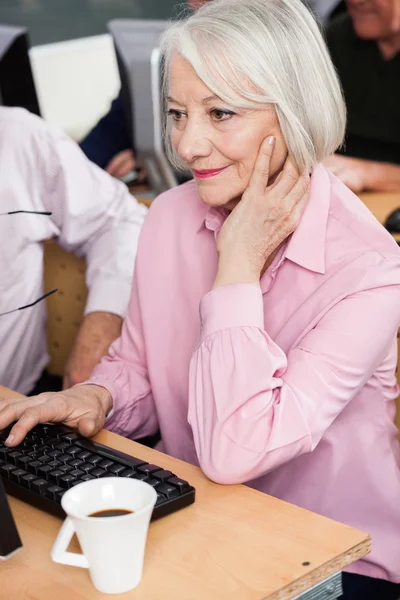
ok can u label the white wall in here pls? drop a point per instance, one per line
(75, 81)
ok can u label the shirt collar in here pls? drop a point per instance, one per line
(306, 246)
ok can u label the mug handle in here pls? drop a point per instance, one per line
(59, 552)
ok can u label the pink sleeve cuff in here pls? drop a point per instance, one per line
(236, 305)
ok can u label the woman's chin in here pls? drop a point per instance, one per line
(215, 198)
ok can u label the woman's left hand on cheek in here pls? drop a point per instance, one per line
(261, 221)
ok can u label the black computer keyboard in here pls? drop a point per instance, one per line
(53, 458)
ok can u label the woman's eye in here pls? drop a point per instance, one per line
(175, 114)
(217, 114)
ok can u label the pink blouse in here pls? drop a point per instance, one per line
(288, 386)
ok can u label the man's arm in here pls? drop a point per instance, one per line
(360, 174)
(96, 333)
(95, 216)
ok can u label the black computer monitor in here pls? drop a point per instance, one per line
(17, 87)
(10, 541)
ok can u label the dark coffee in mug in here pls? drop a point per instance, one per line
(111, 512)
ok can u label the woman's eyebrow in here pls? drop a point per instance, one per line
(205, 100)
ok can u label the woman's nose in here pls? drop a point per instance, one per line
(194, 142)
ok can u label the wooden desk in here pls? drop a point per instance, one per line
(381, 204)
(233, 543)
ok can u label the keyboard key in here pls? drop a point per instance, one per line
(13, 456)
(6, 469)
(72, 450)
(59, 495)
(27, 479)
(17, 474)
(160, 499)
(64, 458)
(105, 464)
(54, 453)
(33, 454)
(148, 469)
(52, 491)
(56, 475)
(34, 465)
(75, 462)
(153, 482)
(84, 455)
(55, 464)
(86, 467)
(95, 459)
(182, 485)
(87, 477)
(65, 468)
(42, 448)
(169, 491)
(70, 436)
(4, 452)
(139, 476)
(45, 470)
(23, 461)
(130, 473)
(67, 481)
(62, 446)
(98, 472)
(76, 473)
(51, 442)
(162, 474)
(39, 485)
(44, 458)
(117, 469)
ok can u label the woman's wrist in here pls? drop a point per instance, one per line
(234, 271)
(101, 394)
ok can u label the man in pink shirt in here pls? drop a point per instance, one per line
(261, 332)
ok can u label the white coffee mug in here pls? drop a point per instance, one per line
(113, 547)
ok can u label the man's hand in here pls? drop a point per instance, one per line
(360, 174)
(84, 407)
(96, 334)
(121, 164)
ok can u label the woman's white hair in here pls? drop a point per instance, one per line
(254, 53)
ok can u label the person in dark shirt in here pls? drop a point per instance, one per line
(365, 48)
(108, 144)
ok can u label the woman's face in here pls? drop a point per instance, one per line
(218, 142)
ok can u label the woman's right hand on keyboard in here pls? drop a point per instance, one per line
(83, 407)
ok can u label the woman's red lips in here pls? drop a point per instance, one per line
(204, 174)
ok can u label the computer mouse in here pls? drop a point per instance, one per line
(392, 223)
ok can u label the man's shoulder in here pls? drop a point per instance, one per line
(19, 125)
(16, 118)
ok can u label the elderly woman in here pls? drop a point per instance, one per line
(261, 333)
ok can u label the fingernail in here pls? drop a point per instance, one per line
(10, 439)
(271, 140)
